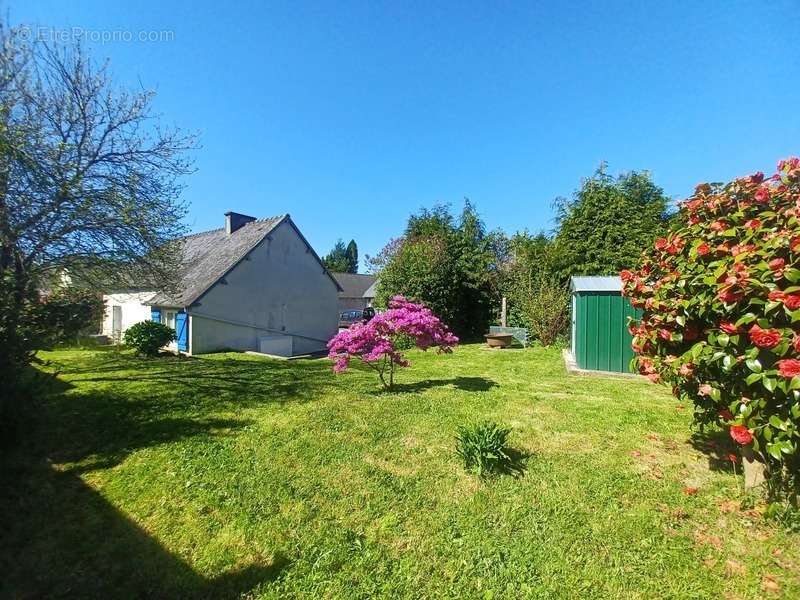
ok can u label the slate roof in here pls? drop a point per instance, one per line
(209, 255)
(596, 284)
(354, 284)
(371, 290)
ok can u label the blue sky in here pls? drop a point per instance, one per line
(350, 116)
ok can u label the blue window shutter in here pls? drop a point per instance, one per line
(182, 331)
(155, 315)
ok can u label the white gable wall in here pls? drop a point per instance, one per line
(280, 290)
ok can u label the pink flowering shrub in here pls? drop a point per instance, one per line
(720, 297)
(376, 342)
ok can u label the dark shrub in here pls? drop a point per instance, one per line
(148, 337)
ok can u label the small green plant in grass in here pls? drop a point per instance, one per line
(148, 337)
(482, 447)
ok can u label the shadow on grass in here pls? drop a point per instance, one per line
(717, 446)
(60, 537)
(251, 382)
(467, 384)
(516, 465)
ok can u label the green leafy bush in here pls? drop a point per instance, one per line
(720, 296)
(545, 308)
(68, 313)
(148, 337)
(482, 447)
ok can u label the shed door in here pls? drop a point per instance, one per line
(182, 331)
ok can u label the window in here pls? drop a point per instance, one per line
(169, 317)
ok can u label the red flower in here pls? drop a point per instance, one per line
(654, 377)
(753, 224)
(718, 226)
(756, 177)
(728, 296)
(764, 338)
(762, 194)
(693, 205)
(627, 276)
(792, 301)
(703, 249)
(686, 370)
(777, 263)
(741, 434)
(661, 243)
(794, 244)
(732, 457)
(726, 414)
(741, 249)
(729, 328)
(690, 491)
(796, 343)
(665, 334)
(646, 366)
(704, 389)
(789, 367)
(776, 296)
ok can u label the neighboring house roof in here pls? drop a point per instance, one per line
(596, 284)
(371, 290)
(210, 255)
(354, 285)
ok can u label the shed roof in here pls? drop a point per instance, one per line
(596, 284)
(354, 285)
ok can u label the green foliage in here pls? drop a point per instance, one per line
(352, 257)
(449, 265)
(608, 221)
(342, 259)
(482, 447)
(544, 308)
(67, 313)
(537, 299)
(90, 186)
(148, 337)
(721, 304)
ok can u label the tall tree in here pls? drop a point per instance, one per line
(89, 183)
(337, 260)
(446, 262)
(603, 228)
(352, 257)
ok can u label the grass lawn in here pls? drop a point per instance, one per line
(231, 474)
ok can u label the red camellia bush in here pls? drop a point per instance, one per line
(720, 301)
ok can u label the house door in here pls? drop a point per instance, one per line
(116, 320)
(182, 331)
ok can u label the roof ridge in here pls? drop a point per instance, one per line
(262, 220)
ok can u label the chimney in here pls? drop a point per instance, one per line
(234, 221)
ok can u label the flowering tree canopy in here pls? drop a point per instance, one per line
(720, 296)
(376, 342)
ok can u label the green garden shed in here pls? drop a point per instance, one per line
(600, 337)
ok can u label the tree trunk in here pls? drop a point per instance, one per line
(754, 470)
